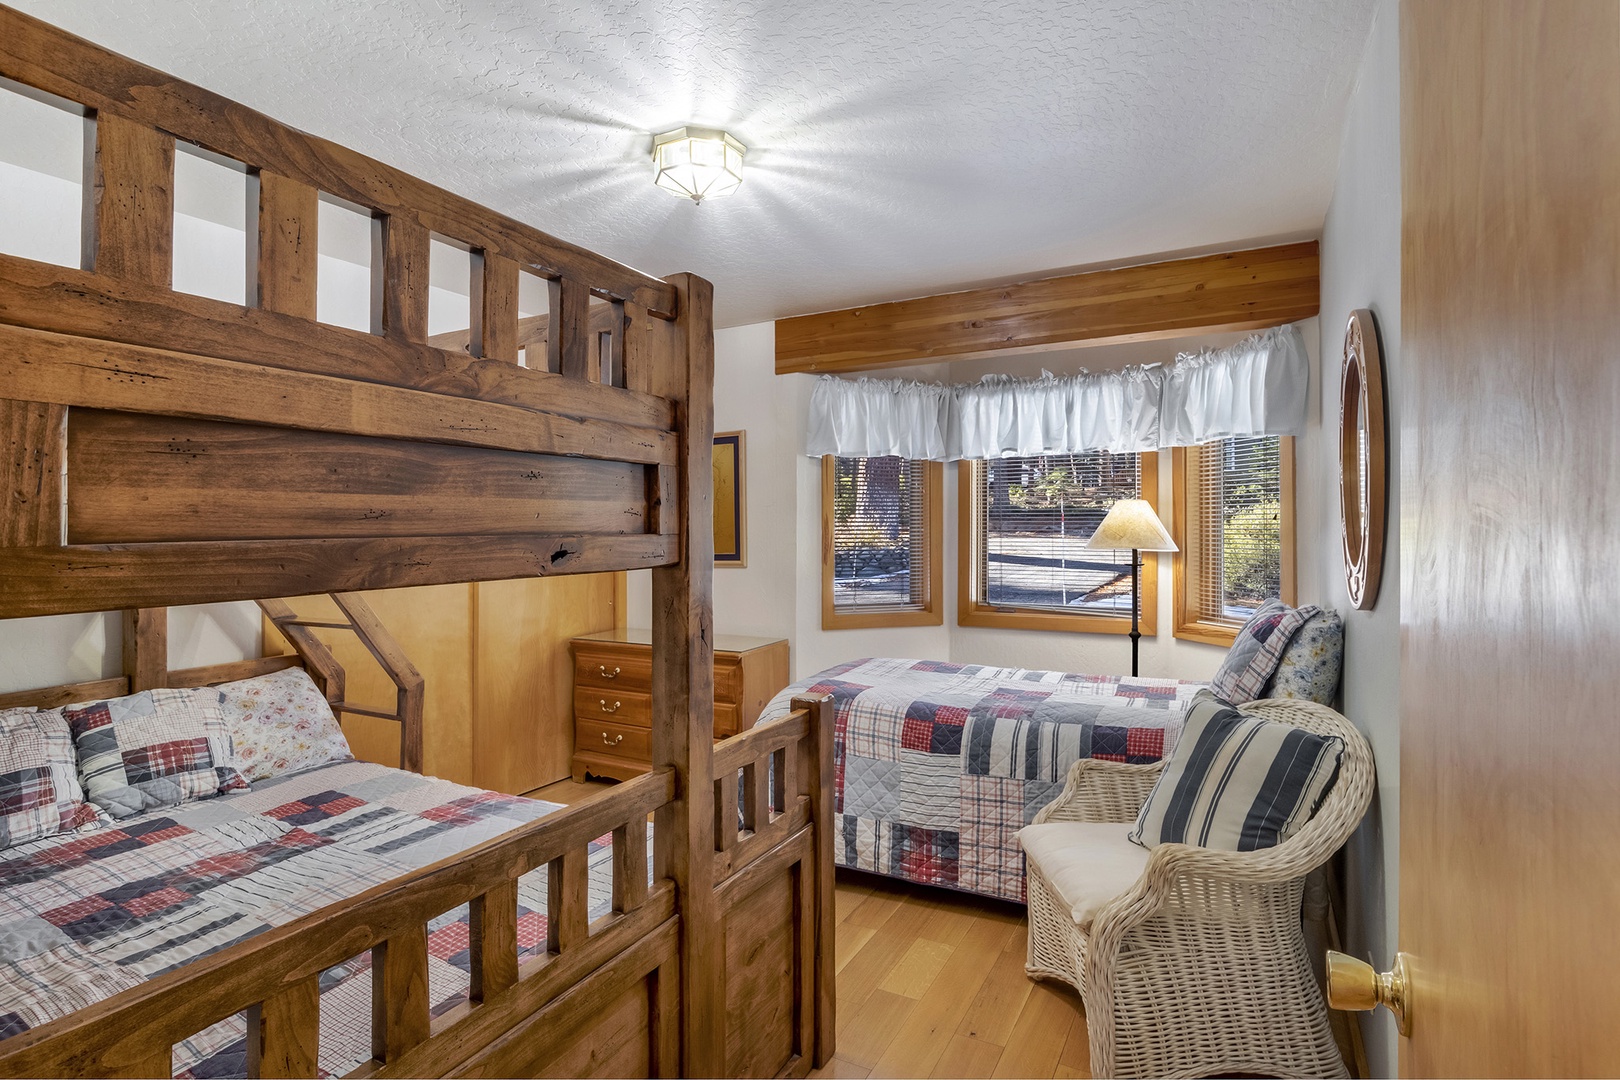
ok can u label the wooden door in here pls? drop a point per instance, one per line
(1510, 720)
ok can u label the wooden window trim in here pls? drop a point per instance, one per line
(970, 611)
(932, 612)
(1188, 624)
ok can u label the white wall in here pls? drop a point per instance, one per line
(779, 592)
(78, 648)
(1361, 268)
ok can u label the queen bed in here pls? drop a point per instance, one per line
(936, 765)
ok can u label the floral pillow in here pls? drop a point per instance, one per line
(281, 723)
(152, 749)
(40, 793)
(1255, 652)
(1310, 666)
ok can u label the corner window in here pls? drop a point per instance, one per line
(1023, 555)
(881, 528)
(1234, 523)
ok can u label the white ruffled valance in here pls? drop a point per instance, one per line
(882, 417)
(1256, 387)
(1000, 416)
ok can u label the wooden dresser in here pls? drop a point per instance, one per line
(613, 695)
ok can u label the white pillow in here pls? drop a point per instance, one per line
(281, 723)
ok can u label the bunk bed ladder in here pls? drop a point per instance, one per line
(356, 617)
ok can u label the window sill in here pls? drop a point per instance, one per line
(1207, 633)
(868, 620)
(1025, 619)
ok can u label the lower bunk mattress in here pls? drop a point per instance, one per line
(84, 916)
(938, 765)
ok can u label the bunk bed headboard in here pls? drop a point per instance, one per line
(163, 448)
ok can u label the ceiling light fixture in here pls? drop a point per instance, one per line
(698, 163)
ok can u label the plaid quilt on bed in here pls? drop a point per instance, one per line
(937, 765)
(85, 916)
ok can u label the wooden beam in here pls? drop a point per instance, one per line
(1237, 290)
(55, 581)
(64, 300)
(81, 373)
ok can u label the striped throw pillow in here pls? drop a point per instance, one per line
(1237, 782)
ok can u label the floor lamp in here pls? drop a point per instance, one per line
(1132, 524)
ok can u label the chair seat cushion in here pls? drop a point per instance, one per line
(1088, 863)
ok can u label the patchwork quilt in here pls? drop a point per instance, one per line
(937, 765)
(84, 916)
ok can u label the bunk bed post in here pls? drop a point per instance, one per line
(683, 683)
(819, 783)
(146, 648)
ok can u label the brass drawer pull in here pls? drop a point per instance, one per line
(606, 674)
(615, 741)
(609, 708)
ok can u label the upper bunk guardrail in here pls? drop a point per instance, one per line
(333, 459)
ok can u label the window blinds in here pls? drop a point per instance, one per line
(879, 533)
(1238, 516)
(1034, 516)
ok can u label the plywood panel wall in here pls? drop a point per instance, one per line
(495, 662)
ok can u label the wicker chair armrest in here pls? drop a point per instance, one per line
(1102, 791)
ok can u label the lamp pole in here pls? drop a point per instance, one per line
(1136, 605)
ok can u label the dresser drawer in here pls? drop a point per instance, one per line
(614, 669)
(725, 720)
(619, 706)
(728, 680)
(617, 740)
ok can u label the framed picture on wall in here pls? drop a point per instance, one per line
(730, 500)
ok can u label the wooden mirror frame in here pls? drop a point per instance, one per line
(1363, 498)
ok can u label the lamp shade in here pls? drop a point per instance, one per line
(698, 163)
(1131, 524)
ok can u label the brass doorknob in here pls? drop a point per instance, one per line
(1355, 987)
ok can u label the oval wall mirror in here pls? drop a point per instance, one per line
(1362, 495)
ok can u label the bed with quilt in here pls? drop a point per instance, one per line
(173, 824)
(937, 765)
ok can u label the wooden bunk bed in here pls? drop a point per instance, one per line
(723, 964)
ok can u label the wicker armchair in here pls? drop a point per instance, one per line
(1200, 967)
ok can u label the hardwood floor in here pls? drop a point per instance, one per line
(931, 983)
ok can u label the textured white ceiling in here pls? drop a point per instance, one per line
(897, 147)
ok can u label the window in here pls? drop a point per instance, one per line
(1234, 524)
(881, 527)
(1025, 523)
